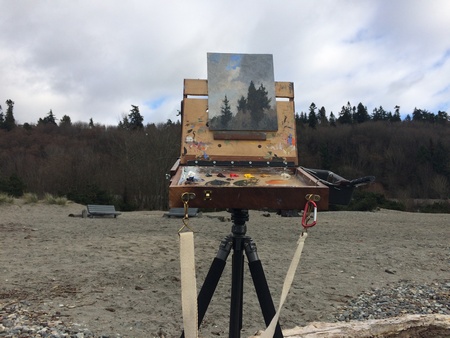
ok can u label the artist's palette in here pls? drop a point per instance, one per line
(240, 177)
(246, 188)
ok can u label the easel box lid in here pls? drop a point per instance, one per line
(199, 143)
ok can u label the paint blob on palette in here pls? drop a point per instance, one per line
(240, 177)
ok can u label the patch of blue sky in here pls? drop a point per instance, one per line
(234, 62)
(214, 57)
(443, 106)
(442, 60)
(444, 90)
(362, 35)
(155, 103)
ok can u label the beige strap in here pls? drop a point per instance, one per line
(188, 285)
(268, 333)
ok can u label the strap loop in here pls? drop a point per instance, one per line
(188, 285)
(185, 197)
(188, 279)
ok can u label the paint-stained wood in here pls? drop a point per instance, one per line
(239, 154)
(240, 135)
(284, 90)
(195, 87)
(198, 142)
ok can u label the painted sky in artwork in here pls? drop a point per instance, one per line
(231, 74)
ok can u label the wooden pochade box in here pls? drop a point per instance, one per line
(240, 169)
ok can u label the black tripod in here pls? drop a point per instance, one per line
(239, 242)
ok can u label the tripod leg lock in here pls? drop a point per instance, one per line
(224, 249)
(251, 251)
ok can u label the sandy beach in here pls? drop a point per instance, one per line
(122, 276)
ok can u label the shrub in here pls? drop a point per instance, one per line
(90, 194)
(12, 186)
(368, 201)
(50, 199)
(30, 198)
(4, 198)
(437, 207)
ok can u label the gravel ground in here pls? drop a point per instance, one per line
(72, 277)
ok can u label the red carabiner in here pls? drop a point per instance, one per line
(310, 206)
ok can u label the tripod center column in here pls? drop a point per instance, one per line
(239, 217)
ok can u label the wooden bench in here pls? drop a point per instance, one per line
(179, 212)
(101, 210)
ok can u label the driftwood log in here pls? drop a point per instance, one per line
(410, 326)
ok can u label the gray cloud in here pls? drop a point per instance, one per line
(95, 58)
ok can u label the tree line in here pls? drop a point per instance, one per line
(359, 114)
(127, 164)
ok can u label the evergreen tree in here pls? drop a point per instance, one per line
(396, 117)
(9, 122)
(322, 116)
(65, 121)
(135, 118)
(345, 116)
(303, 118)
(2, 118)
(227, 115)
(379, 114)
(48, 120)
(442, 117)
(312, 117)
(361, 115)
(417, 115)
(332, 120)
(124, 124)
(133, 121)
(27, 126)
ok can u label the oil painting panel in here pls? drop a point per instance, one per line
(241, 92)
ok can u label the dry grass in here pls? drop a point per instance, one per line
(4, 198)
(50, 199)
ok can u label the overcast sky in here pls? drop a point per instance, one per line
(94, 59)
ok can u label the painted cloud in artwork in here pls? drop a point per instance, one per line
(241, 92)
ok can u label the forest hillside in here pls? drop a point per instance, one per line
(127, 164)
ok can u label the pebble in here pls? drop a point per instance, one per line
(17, 321)
(404, 297)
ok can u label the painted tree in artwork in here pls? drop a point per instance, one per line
(242, 105)
(257, 101)
(225, 110)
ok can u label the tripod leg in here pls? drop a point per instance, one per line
(237, 283)
(212, 279)
(239, 217)
(261, 286)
